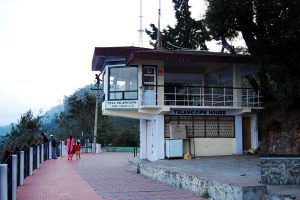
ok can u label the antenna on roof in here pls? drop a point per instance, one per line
(158, 42)
(141, 30)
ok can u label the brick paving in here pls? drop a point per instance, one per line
(56, 180)
(104, 176)
(112, 178)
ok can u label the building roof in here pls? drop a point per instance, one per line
(102, 55)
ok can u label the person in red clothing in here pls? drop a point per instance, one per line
(77, 150)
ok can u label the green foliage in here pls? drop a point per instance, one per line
(271, 30)
(187, 33)
(23, 134)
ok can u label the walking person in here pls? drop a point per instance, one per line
(53, 145)
(77, 150)
(70, 146)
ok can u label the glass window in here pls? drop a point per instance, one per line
(122, 83)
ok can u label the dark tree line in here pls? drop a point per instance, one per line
(25, 133)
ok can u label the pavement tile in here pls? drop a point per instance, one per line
(106, 176)
(111, 172)
(56, 180)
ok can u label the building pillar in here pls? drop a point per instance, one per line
(238, 134)
(143, 139)
(159, 137)
(254, 131)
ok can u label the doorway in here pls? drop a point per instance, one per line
(246, 123)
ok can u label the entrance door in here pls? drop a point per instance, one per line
(149, 83)
(246, 133)
(149, 136)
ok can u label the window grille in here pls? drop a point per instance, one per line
(203, 126)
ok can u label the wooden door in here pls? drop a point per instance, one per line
(246, 133)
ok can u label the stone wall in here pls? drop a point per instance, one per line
(199, 185)
(280, 170)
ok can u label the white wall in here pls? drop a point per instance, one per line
(213, 146)
(254, 131)
(143, 140)
(159, 139)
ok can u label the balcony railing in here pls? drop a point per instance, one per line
(200, 96)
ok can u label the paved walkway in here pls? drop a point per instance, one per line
(56, 180)
(104, 176)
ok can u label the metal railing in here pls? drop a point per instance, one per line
(200, 96)
(31, 161)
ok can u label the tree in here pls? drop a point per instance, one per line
(25, 133)
(187, 33)
(77, 116)
(270, 29)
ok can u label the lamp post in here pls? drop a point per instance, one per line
(97, 77)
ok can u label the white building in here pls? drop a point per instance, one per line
(187, 101)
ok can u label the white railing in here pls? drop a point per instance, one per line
(200, 96)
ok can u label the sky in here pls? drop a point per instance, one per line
(46, 46)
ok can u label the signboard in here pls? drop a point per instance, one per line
(123, 104)
(160, 72)
(201, 112)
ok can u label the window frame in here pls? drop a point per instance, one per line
(121, 91)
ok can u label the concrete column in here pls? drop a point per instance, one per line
(63, 153)
(237, 83)
(60, 149)
(254, 131)
(238, 134)
(21, 167)
(160, 137)
(42, 153)
(3, 182)
(14, 160)
(98, 148)
(30, 161)
(50, 150)
(151, 144)
(38, 156)
(143, 139)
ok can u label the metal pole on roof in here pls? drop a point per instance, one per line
(158, 26)
(141, 30)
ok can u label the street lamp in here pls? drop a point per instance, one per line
(98, 80)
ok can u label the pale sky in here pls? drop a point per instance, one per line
(46, 46)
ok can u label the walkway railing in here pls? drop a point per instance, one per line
(17, 166)
(160, 95)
